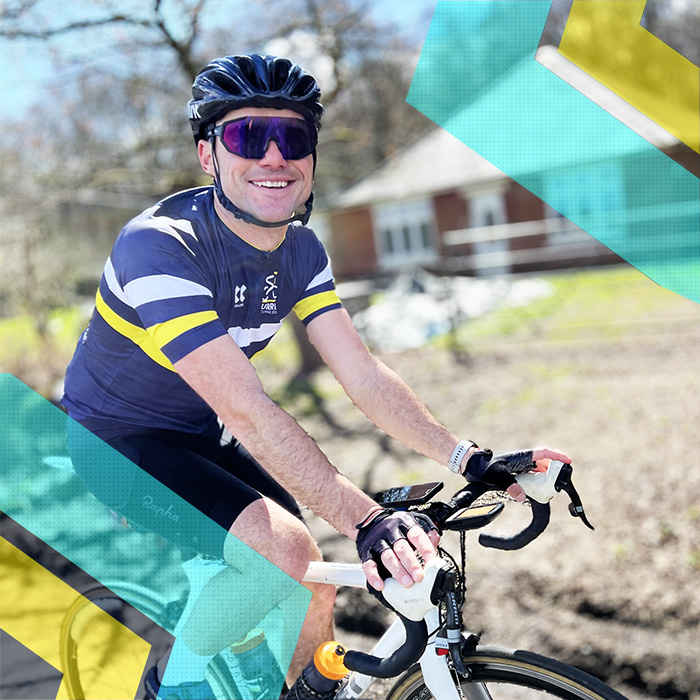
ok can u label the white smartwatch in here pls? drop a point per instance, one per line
(455, 463)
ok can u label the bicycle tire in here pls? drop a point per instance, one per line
(503, 674)
(81, 631)
(81, 615)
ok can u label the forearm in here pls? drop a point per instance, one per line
(394, 408)
(378, 391)
(291, 456)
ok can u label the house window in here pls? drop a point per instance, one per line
(405, 233)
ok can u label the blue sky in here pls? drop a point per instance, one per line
(27, 66)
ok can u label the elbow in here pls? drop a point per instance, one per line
(246, 414)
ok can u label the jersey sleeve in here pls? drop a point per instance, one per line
(156, 292)
(319, 295)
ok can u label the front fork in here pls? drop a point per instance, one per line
(436, 671)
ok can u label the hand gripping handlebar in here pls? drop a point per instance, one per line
(540, 488)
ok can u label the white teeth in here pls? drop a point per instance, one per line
(272, 183)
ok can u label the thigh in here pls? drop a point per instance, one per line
(236, 460)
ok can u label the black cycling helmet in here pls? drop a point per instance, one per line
(251, 81)
(233, 82)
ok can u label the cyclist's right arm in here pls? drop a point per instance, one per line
(223, 376)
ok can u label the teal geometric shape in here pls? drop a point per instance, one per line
(477, 78)
(40, 491)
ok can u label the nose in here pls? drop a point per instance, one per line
(273, 156)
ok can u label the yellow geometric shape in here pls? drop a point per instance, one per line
(605, 39)
(32, 607)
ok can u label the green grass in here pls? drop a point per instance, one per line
(39, 359)
(605, 303)
(21, 339)
(591, 304)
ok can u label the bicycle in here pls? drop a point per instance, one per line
(429, 649)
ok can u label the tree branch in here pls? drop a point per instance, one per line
(13, 33)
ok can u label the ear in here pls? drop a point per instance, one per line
(205, 156)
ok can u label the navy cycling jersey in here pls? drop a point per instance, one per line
(177, 278)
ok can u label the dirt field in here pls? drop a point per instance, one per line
(622, 602)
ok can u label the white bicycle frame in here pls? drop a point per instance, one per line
(436, 672)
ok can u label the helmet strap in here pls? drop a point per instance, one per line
(227, 204)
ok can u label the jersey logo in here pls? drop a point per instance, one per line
(269, 300)
(239, 296)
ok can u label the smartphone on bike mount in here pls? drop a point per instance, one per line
(404, 496)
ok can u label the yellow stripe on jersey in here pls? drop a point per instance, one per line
(311, 304)
(136, 335)
(164, 332)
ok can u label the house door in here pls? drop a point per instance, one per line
(491, 255)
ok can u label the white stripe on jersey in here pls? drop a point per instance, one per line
(324, 276)
(174, 228)
(243, 337)
(112, 284)
(160, 287)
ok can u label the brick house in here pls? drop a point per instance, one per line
(439, 205)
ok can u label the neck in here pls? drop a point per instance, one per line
(257, 236)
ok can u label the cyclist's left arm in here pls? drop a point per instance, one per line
(385, 398)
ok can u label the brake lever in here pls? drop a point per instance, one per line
(565, 483)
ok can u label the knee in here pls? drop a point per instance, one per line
(298, 548)
(277, 535)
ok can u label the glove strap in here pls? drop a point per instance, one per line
(478, 463)
(378, 514)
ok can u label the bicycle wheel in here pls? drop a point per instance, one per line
(95, 653)
(90, 648)
(501, 674)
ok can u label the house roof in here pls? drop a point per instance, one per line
(440, 162)
(435, 163)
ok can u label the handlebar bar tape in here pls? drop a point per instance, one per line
(538, 524)
(406, 655)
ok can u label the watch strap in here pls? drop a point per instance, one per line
(455, 463)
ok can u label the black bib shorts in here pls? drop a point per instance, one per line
(218, 478)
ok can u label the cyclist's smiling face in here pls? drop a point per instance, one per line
(270, 188)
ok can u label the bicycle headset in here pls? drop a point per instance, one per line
(234, 82)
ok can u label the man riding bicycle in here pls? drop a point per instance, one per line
(193, 288)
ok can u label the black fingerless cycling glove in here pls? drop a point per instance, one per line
(498, 471)
(383, 528)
